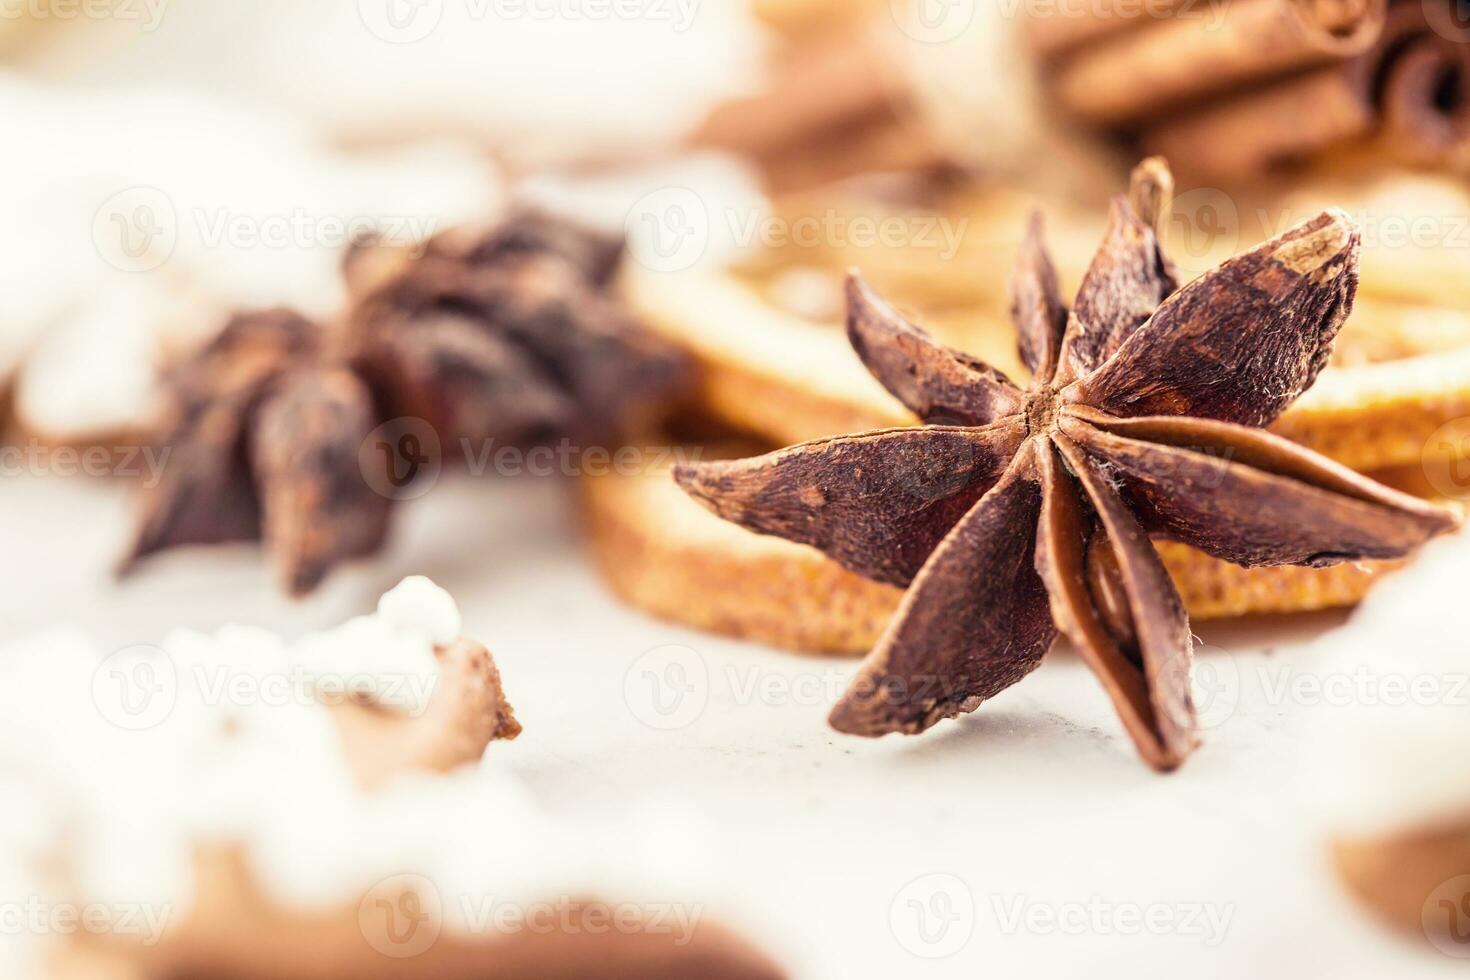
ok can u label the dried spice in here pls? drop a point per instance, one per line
(1268, 83)
(510, 336)
(512, 332)
(1015, 514)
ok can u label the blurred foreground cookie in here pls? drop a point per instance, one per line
(1393, 713)
(235, 805)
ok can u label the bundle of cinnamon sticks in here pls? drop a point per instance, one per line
(1229, 89)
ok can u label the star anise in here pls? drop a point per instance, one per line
(511, 336)
(1015, 514)
(530, 303)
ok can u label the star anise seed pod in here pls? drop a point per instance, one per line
(511, 336)
(559, 335)
(1014, 514)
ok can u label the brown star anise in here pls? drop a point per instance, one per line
(531, 304)
(511, 336)
(1014, 514)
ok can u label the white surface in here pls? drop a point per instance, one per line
(1034, 803)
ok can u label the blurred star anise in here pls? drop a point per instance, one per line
(1015, 514)
(511, 336)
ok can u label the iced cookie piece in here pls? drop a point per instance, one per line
(238, 804)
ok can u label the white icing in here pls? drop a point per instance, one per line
(238, 731)
(235, 759)
(418, 604)
(1389, 752)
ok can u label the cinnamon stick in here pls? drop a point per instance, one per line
(1055, 27)
(1244, 136)
(1426, 103)
(1413, 85)
(1162, 64)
